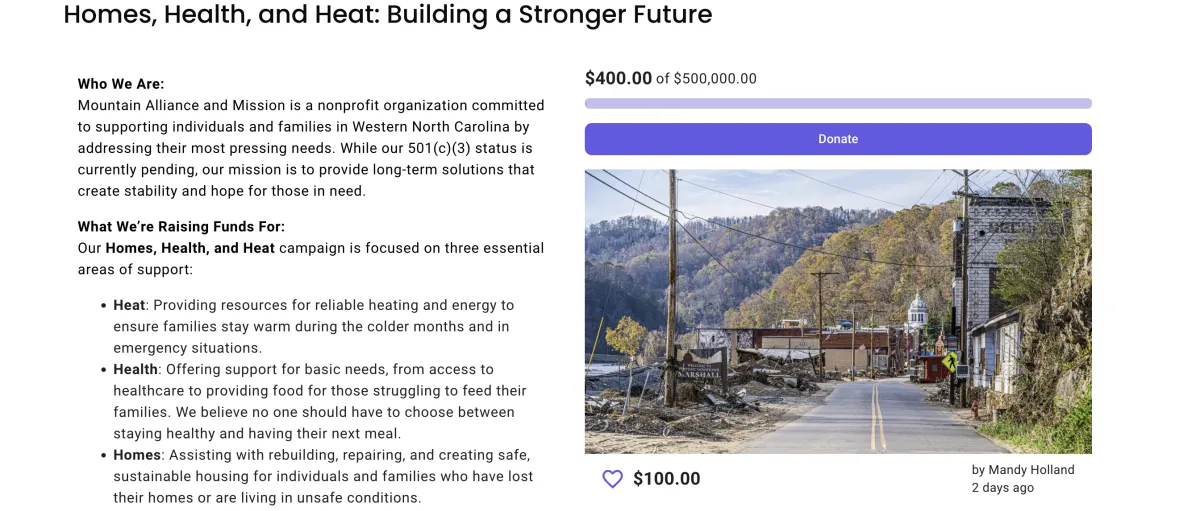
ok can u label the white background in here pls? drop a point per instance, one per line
(1134, 62)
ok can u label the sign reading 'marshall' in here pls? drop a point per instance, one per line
(701, 363)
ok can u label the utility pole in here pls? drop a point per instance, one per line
(871, 353)
(964, 347)
(871, 357)
(853, 343)
(821, 319)
(887, 338)
(670, 376)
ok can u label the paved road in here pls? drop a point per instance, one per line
(874, 417)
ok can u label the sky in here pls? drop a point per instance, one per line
(777, 188)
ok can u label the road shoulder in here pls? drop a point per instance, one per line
(963, 416)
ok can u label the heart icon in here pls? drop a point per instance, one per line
(613, 477)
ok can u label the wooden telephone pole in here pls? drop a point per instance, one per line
(871, 357)
(670, 375)
(821, 320)
(853, 343)
(964, 348)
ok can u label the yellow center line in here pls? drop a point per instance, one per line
(882, 439)
(872, 418)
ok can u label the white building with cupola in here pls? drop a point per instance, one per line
(918, 314)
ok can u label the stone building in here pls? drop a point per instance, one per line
(994, 222)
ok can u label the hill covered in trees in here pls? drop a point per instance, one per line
(626, 262)
(879, 266)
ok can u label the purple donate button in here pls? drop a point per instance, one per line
(838, 139)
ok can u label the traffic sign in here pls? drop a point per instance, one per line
(951, 361)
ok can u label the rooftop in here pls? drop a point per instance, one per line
(994, 320)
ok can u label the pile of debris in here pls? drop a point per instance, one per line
(701, 411)
(659, 421)
(773, 373)
(942, 392)
(597, 405)
(730, 402)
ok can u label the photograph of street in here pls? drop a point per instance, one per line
(848, 311)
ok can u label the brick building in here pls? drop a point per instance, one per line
(846, 349)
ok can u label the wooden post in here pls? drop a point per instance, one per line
(670, 374)
(724, 373)
(853, 343)
(820, 322)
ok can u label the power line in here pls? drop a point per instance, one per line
(977, 180)
(998, 174)
(728, 194)
(848, 190)
(593, 176)
(784, 243)
(611, 285)
(1020, 181)
(984, 188)
(935, 180)
(1030, 175)
(604, 310)
(610, 174)
(939, 194)
(689, 233)
(719, 263)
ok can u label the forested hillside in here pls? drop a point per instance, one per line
(631, 252)
(881, 266)
(611, 288)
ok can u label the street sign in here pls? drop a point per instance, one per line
(951, 361)
(962, 371)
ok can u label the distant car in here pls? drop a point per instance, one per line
(847, 324)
